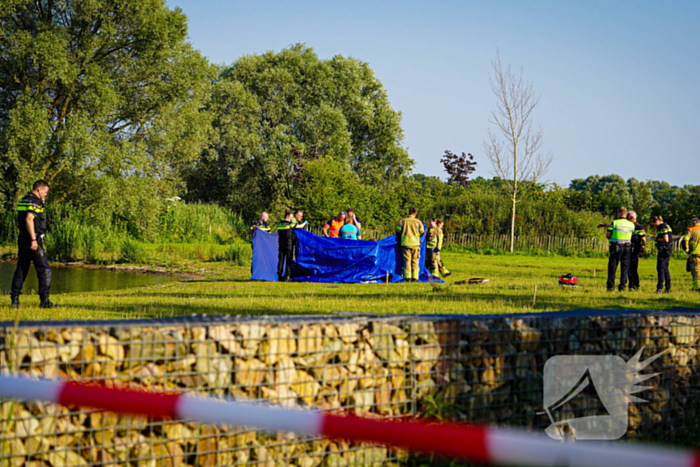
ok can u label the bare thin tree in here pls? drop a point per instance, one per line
(514, 147)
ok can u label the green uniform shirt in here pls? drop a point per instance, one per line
(411, 229)
(621, 231)
(441, 238)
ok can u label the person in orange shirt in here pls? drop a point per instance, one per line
(333, 226)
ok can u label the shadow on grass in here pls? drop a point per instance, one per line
(326, 302)
(168, 311)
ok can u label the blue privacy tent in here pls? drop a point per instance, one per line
(334, 260)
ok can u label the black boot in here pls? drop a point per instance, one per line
(45, 303)
(15, 301)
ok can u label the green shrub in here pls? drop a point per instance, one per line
(207, 223)
(72, 241)
(132, 252)
(238, 254)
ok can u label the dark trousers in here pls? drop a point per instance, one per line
(619, 254)
(429, 259)
(634, 271)
(284, 258)
(664, 275)
(25, 257)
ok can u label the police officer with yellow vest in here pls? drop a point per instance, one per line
(410, 230)
(620, 236)
(664, 247)
(691, 245)
(32, 227)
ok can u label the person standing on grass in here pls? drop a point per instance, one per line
(639, 242)
(620, 236)
(664, 247)
(298, 220)
(349, 231)
(355, 221)
(410, 230)
(436, 258)
(298, 223)
(333, 226)
(261, 224)
(30, 243)
(691, 245)
(287, 238)
(431, 244)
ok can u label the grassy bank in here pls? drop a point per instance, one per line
(200, 231)
(224, 289)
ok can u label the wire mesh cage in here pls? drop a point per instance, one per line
(487, 369)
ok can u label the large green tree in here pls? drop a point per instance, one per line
(97, 95)
(277, 112)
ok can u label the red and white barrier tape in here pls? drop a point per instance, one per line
(471, 442)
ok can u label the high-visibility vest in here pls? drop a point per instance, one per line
(622, 231)
(411, 230)
(692, 240)
(432, 239)
(334, 226)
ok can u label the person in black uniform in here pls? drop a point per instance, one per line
(664, 245)
(639, 242)
(30, 242)
(287, 239)
(261, 224)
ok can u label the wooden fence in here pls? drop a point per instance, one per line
(522, 242)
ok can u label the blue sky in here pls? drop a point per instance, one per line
(619, 80)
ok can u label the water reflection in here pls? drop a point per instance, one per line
(66, 279)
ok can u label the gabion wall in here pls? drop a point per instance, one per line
(476, 368)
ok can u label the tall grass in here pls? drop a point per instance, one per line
(208, 223)
(76, 235)
(73, 241)
(239, 254)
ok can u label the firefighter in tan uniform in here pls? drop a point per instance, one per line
(691, 245)
(437, 261)
(410, 231)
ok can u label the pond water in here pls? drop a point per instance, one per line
(67, 279)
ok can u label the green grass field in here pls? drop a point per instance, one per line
(224, 289)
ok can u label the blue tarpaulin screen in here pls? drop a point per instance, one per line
(334, 260)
